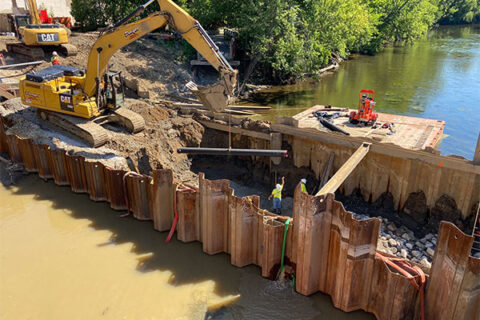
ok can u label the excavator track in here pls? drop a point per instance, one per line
(68, 49)
(36, 53)
(87, 130)
(128, 119)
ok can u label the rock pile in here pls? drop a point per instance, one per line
(401, 242)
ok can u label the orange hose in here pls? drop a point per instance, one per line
(175, 220)
(404, 267)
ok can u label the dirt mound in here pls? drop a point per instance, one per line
(156, 147)
(155, 65)
(257, 125)
(153, 148)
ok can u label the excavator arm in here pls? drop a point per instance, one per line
(215, 97)
(34, 17)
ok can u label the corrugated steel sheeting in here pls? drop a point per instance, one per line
(453, 291)
(327, 249)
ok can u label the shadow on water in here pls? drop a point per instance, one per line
(260, 298)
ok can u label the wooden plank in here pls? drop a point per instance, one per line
(328, 169)
(242, 107)
(245, 132)
(476, 155)
(382, 148)
(347, 168)
(5, 93)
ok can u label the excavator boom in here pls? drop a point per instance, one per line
(34, 16)
(215, 97)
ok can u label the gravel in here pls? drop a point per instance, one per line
(401, 242)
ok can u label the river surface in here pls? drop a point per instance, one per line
(437, 78)
(63, 256)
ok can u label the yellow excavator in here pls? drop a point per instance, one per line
(81, 101)
(33, 36)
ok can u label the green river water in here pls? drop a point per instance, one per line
(437, 78)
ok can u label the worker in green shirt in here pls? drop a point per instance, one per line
(303, 185)
(277, 197)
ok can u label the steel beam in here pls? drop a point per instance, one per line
(24, 64)
(234, 152)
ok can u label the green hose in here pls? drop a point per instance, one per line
(287, 223)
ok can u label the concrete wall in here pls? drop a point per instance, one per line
(59, 8)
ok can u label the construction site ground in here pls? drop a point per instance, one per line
(158, 72)
(156, 65)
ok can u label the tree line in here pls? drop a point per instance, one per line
(290, 38)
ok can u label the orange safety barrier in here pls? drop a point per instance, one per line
(413, 274)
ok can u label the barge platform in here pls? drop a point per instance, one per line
(408, 132)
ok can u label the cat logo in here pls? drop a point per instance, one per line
(66, 102)
(131, 34)
(47, 37)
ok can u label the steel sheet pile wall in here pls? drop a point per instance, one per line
(148, 198)
(161, 197)
(399, 174)
(335, 254)
(189, 222)
(453, 291)
(43, 160)
(3, 138)
(137, 195)
(95, 175)
(326, 248)
(226, 223)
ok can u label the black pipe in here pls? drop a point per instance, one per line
(132, 14)
(327, 124)
(234, 152)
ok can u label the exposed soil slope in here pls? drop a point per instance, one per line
(155, 64)
(153, 148)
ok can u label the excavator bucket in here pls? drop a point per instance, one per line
(213, 97)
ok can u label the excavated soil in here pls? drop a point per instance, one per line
(153, 148)
(155, 64)
(157, 68)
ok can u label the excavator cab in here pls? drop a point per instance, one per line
(18, 21)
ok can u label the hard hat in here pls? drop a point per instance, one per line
(55, 53)
(278, 186)
(304, 180)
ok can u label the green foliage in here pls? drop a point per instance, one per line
(289, 38)
(87, 14)
(458, 11)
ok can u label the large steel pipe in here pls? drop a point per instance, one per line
(234, 152)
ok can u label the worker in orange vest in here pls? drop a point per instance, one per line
(55, 58)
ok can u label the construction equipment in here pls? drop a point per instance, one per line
(64, 94)
(34, 36)
(365, 114)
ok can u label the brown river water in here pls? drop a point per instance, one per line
(63, 256)
(66, 257)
